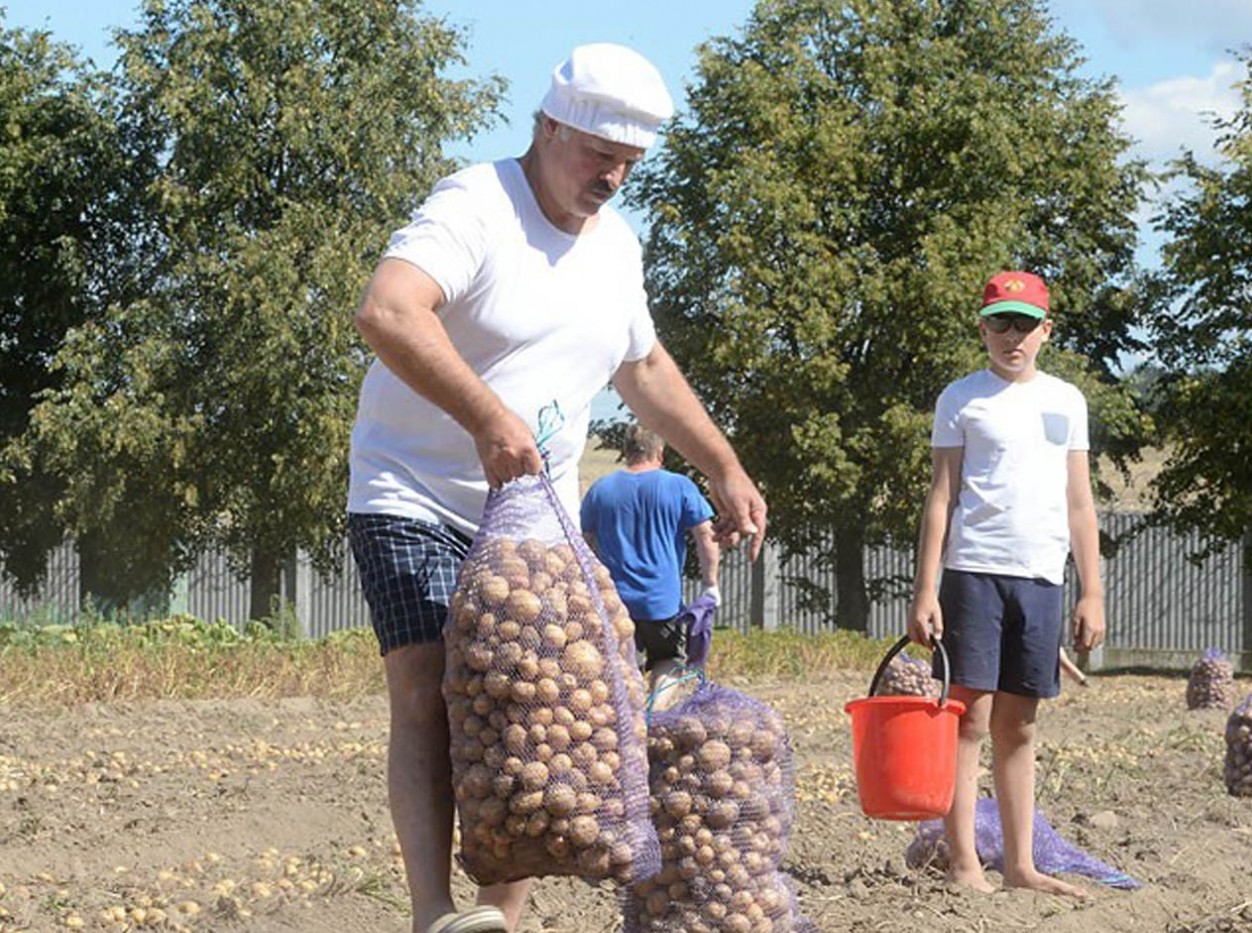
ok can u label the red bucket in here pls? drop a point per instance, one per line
(904, 748)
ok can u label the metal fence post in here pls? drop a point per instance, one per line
(1245, 576)
(302, 593)
(766, 584)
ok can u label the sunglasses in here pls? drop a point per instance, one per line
(1022, 323)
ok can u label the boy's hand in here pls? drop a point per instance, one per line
(1088, 623)
(925, 619)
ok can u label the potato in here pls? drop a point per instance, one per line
(560, 799)
(584, 831)
(522, 606)
(583, 659)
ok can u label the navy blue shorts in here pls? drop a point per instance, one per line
(1002, 633)
(408, 575)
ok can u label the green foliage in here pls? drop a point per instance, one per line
(848, 174)
(64, 216)
(284, 142)
(1203, 333)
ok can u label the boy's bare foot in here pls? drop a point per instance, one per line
(974, 880)
(1038, 881)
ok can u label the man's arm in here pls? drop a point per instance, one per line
(662, 399)
(707, 553)
(397, 319)
(1084, 543)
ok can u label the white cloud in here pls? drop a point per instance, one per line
(1177, 113)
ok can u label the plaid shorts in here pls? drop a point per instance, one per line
(408, 575)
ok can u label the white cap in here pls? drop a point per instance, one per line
(609, 91)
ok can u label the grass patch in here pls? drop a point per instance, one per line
(788, 655)
(180, 658)
(187, 659)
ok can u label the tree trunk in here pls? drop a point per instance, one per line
(852, 611)
(265, 592)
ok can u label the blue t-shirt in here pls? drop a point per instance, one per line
(640, 522)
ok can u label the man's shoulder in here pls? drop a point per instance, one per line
(677, 479)
(486, 182)
(611, 219)
(605, 484)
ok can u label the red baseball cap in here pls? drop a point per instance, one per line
(1015, 293)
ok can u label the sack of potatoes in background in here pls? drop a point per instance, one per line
(723, 801)
(545, 703)
(1238, 765)
(1211, 683)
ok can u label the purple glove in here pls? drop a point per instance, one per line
(699, 620)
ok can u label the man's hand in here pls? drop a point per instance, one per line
(741, 511)
(507, 449)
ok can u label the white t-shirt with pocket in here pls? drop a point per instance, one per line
(1011, 515)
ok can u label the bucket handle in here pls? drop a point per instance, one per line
(900, 646)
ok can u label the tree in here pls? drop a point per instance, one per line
(216, 409)
(66, 215)
(1202, 325)
(847, 176)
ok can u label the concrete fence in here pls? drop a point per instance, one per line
(1163, 608)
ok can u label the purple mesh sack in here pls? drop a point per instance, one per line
(723, 800)
(1211, 684)
(1052, 854)
(1238, 765)
(545, 703)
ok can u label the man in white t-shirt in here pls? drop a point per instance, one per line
(1010, 497)
(514, 286)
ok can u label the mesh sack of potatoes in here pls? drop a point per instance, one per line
(1211, 684)
(1238, 770)
(723, 801)
(545, 703)
(906, 676)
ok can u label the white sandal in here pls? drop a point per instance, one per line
(480, 919)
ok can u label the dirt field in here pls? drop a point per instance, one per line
(271, 816)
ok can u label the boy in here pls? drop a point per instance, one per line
(1010, 497)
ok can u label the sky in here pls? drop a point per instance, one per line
(1173, 60)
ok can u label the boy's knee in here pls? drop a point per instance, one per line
(1006, 732)
(974, 730)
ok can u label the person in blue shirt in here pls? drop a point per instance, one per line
(638, 520)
